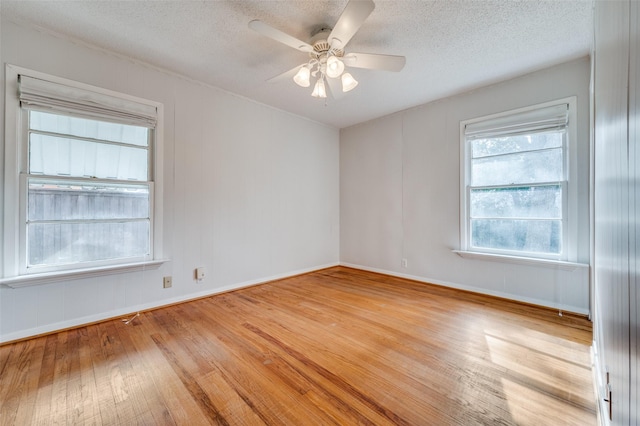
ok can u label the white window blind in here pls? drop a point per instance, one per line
(540, 120)
(43, 95)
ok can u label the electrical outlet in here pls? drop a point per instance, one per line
(200, 273)
(404, 263)
(167, 282)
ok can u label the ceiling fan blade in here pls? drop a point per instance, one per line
(280, 36)
(350, 21)
(287, 75)
(375, 62)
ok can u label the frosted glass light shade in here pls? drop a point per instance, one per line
(319, 90)
(302, 77)
(348, 82)
(335, 67)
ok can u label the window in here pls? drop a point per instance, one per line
(517, 191)
(86, 177)
(88, 191)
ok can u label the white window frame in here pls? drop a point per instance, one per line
(569, 189)
(15, 191)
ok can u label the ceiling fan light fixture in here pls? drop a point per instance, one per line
(335, 67)
(327, 52)
(302, 76)
(319, 90)
(348, 82)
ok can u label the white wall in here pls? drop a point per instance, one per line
(616, 345)
(400, 192)
(250, 192)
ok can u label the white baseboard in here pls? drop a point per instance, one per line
(539, 302)
(104, 316)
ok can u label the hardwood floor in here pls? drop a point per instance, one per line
(337, 346)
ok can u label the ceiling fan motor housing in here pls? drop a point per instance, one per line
(321, 47)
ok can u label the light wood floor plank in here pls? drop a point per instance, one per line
(176, 404)
(21, 392)
(334, 347)
(42, 414)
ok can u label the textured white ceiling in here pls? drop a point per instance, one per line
(451, 46)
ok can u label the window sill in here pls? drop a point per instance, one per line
(51, 277)
(555, 264)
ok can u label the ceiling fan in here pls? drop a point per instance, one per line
(328, 58)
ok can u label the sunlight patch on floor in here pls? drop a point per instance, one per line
(526, 404)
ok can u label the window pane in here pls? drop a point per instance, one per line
(509, 144)
(51, 200)
(68, 243)
(521, 202)
(536, 236)
(86, 128)
(56, 156)
(525, 167)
